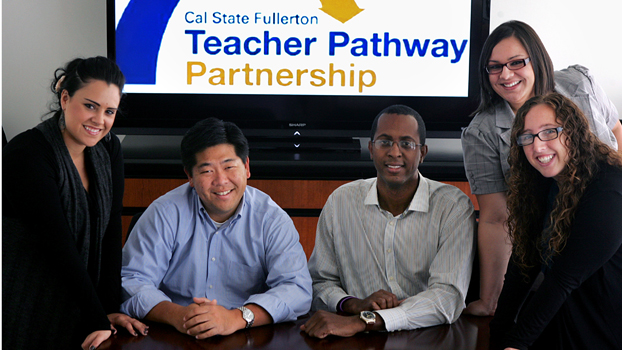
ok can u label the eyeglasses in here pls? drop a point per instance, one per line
(544, 135)
(512, 65)
(404, 145)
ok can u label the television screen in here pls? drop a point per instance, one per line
(312, 67)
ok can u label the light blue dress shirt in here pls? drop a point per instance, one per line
(176, 252)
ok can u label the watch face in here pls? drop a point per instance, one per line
(369, 317)
(247, 315)
(368, 314)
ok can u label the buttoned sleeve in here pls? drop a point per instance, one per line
(288, 280)
(323, 265)
(605, 105)
(577, 83)
(146, 257)
(483, 157)
(450, 270)
(599, 98)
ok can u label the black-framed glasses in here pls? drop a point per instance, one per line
(403, 144)
(544, 135)
(512, 65)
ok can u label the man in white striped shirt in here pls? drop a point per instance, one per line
(394, 252)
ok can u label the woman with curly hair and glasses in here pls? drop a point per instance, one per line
(565, 220)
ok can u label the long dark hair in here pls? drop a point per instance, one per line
(539, 60)
(527, 185)
(80, 71)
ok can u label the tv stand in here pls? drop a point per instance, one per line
(334, 157)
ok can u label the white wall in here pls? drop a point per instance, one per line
(38, 36)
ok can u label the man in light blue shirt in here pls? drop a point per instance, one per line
(214, 256)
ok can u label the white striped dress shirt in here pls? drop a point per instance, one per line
(424, 255)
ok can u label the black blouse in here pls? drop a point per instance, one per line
(579, 303)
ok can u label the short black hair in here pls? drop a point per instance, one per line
(211, 132)
(404, 110)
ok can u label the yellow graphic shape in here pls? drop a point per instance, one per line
(341, 10)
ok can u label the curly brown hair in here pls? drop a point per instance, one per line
(528, 189)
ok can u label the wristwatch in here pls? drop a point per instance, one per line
(248, 316)
(368, 317)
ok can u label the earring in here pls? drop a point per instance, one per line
(61, 121)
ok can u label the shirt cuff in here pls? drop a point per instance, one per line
(395, 319)
(277, 308)
(333, 300)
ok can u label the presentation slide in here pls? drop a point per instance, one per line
(302, 47)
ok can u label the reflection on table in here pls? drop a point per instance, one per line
(466, 334)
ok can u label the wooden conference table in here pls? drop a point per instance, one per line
(468, 333)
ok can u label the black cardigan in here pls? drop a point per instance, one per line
(45, 255)
(579, 303)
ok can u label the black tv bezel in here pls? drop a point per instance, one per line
(313, 115)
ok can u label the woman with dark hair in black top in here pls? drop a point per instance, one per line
(565, 220)
(62, 201)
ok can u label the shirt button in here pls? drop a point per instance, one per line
(391, 278)
(388, 250)
(210, 286)
(213, 259)
(391, 223)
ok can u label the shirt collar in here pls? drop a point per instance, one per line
(504, 116)
(420, 201)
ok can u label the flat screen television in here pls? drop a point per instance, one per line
(287, 69)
